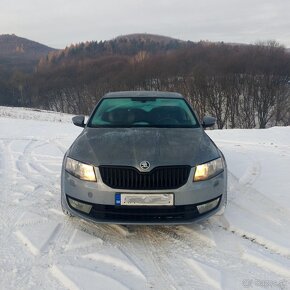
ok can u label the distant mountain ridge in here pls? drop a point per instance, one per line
(21, 55)
(13, 46)
(139, 45)
(150, 37)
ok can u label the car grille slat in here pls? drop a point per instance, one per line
(164, 177)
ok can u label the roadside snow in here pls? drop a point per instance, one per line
(40, 248)
(34, 114)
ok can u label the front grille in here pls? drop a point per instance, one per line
(165, 177)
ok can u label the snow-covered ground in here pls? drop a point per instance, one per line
(40, 248)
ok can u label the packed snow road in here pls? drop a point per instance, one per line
(40, 248)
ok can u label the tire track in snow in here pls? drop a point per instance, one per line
(136, 245)
(95, 249)
(211, 275)
(21, 225)
(250, 208)
(56, 141)
(9, 247)
(26, 163)
(9, 193)
(251, 174)
(177, 247)
(247, 201)
(267, 263)
(7, 175)
(228, 246)
(157, 261)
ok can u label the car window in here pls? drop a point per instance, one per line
(143, 112)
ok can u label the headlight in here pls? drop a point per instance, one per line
(208, 170)
(80, 170)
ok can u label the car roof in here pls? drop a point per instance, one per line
(144, 94)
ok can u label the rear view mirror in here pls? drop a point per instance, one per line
(79, 121)
(208, 121)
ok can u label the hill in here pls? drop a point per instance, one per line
(18, 58)
(15, 46)
(125, 45)
(148, 37)
(20, 54)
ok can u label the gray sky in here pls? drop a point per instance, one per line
(59, 23)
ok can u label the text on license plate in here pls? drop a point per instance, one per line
(135, 199)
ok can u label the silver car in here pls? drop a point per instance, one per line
(143, 158)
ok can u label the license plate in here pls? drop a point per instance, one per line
(134, 199)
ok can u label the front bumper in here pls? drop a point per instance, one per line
(181, 214)
(104, 210)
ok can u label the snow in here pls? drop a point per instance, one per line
(40, 248)
(34, 114)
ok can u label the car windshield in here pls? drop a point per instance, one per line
(143, 112)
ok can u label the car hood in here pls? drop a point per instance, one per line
(130, 146)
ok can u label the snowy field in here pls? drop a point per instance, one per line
(40, 248)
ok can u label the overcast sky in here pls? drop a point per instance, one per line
(58, 23)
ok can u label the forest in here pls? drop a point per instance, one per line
(243, 86)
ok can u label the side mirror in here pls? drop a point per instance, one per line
(208, 122)
(79, 121)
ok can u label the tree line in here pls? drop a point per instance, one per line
(243, 86)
